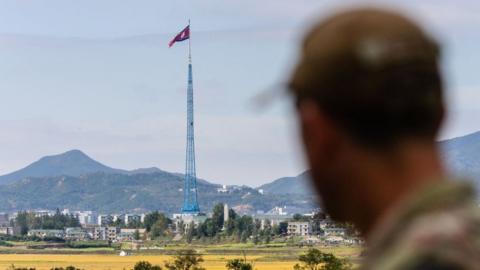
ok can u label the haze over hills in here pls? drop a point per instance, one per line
(299, 184)
(72, 163)
(74, 180)
(462, 156)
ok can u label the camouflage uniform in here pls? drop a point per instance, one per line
(437, 228)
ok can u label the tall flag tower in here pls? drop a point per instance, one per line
(190, 200)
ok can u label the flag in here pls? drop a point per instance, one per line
(183, 35)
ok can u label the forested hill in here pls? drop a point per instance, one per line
(117, 193)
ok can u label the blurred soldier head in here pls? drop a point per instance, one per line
(369, 99)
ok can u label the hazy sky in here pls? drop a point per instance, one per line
(98, 76)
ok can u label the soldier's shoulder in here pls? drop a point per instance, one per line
(439, 230)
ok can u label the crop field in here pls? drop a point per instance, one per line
(278, 259)
(106, 262)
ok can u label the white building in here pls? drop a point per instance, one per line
(334, 231)
(76, 233)
(112, 233)
(129, 234)
(187, 220)
(43, 213)
(279, 211)
(271, 219)
(104, 220)
(223, 189)
(299, 228)
(46, 233)
(9, 230)
(100, 233)
(334, 240)
(86, 217)
(4, 220)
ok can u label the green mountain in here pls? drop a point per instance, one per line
(116, 193)
(75, 181)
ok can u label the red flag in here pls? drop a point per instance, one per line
(183, 35)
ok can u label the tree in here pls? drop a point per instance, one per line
(144, 265)
(135, 224)
(13, 267)
(190, 232)
(160, 226)
(119, 222)
(230, 227)
(232, 214)
(311, 259)
(244, 236)
(256, 239)
(218, 216)
(186, 260)
(238, 264)
(299, 217)
(180, 227)
(314, 259)
(27, 221)
(333, 263)
(280, 229)
(317, 218)
(21, 221)
(136, 235)
(150, 219)
(268, 238)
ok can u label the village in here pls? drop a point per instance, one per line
(278, 224)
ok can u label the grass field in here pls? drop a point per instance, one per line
(215, 258)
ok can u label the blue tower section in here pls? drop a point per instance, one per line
(190, 202)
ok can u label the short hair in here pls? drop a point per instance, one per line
(375, 74)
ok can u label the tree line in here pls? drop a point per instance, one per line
(27, 221)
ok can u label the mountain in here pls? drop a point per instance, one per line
(299, 184)
(74, 180)
(120, 193)
(71, 163)
(462, 156)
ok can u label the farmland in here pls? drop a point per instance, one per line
(215, 258)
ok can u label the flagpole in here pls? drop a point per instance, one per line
(189, 44)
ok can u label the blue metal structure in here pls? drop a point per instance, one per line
(190, 200)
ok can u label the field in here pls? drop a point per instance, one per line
(281, 259)
(105, 262)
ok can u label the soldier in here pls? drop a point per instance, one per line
(369, 100)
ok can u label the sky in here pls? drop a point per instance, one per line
(98, 76)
